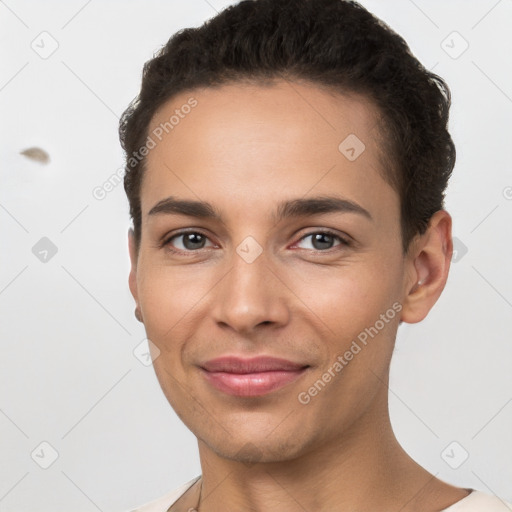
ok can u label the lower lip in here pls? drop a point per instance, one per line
(252, 384)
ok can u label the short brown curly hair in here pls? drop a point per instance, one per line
(334, 43)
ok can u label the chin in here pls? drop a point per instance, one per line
(252, 448)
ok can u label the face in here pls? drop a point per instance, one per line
(266, 271)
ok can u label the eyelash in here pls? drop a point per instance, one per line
(166, 243)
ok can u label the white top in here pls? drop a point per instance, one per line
(477, 501)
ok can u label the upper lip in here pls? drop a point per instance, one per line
(234, 364)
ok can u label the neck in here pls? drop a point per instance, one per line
(362, 468)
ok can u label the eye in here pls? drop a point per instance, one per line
(191, 241)
(323, 240)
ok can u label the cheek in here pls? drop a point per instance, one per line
(168, 296)
(348, 299)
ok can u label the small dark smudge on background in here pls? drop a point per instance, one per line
(36, 154)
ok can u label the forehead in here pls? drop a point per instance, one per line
(263, 142)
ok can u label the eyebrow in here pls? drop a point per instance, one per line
(303, 207)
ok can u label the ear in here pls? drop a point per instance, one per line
(428, 261)
(132, 279)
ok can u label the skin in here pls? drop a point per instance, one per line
(244, 149)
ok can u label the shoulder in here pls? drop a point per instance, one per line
(479, 501)
(164, 502)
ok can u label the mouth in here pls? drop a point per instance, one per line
(251, 377)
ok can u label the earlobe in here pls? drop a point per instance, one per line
(429, 264)
(138, 314)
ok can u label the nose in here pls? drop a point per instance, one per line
(251, 295)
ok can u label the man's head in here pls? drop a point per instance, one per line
(303, 150)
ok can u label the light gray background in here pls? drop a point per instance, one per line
(67, 331)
